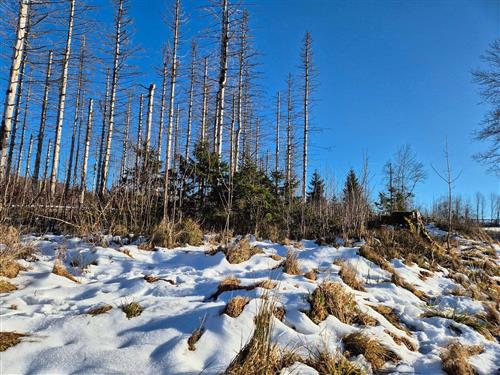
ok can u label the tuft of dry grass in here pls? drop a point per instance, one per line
(12, 250)
(349, 276)
(132, 309)
(60, 269)
(10, 339)
(326, 362)
(393, 318)
(374, 352)
(279, 313)
(194, 338)
(261, 355)
(399, 281)
(235, 306)
(402, 340)
(189, 232)
(455, 356)
(275, 257)
(330, 298)
(240, 251)
(476, 322)
(291, 264)
(162, 235)
(229, 284)
(371, 254)
(267, 284)
(98, 310)
(365, 319)
(6, 287)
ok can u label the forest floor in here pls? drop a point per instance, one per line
(171, 293)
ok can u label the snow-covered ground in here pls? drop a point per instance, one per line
(65, 340)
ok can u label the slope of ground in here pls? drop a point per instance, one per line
(176, 291)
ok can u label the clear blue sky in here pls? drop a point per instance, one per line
(389, 73)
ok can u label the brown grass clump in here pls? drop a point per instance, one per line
(240, 251)
(399, 281)
(9, 339)
(311, 275)
(267, 284)
(359, 343)
(476, 322)
(455, 357)
(275, 257)
(235, 306)
(163, 235)
(61, 270)
(391, 316)
(229, 284)
(98, 310)
(365, 319)
(194, 338)
(6, 287)
(402, 340)
(291, 264)
(370, 254)
(132, 309)
(327, 363)
(261, 355)
(331, 298)
(189, 232)
(349, 276)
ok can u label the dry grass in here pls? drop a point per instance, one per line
(402, 340)
(399, 281)
(189, 232)
(9, 339)
(60, 269)
(349, 276)
(330, 298)
(229, 284)
(267, 284)
(291, 264)
(12, 249)
(275, 257)
(279, 312)
(326, 362)
(163, 235)
(390, 314)
(365, 319)
(311, 275)
(372, 255)
(455, 357)
(261, 355)
(476, 322)
(98, 310)
(194, 338)
(235, 306)
(374, 352)
(240, 251)
(132, 309)
(6, 287)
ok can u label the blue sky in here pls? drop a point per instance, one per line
(389, 73)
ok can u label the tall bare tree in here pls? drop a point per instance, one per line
(306, 61)
(83, 175)
(62, 99)
(191, 95)
(12, 84)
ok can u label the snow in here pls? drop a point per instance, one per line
(64, 339)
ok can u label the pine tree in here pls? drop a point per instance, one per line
(316, 192)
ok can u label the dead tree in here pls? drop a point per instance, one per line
(104, 105)
(12, 84)
(204, 108)
(83, 182)
(23, 130)
(306, 56)
(289, 135)
(222, 82)
(123, 164)
(191, 94)
(277, 139)
(162, 109)
(173, 78)
(62, 100)
(149, 120)
(43, 119)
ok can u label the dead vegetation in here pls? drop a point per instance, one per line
(60, 269)
(10, 339)
(349, 276)
(393, 318)
(168, 234)
(235, 306)
(455, 357)
(98, 310)
(399, 281)
(402, 340)
(374, 352)
(291, 264)
(6, 287)
(326, 362)
(194, 338)
(132, 309)
(477, 322)
(240, 251)
(311, 275)
(261, 355)
(13, 249)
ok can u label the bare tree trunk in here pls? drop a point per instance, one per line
(307, 63)
(149, 121)
(232, 155)
(257, 140)
(10, 96)
(139, 138)
(162, 109)
(27, 166)
(224, 45)
(204, 108)
(173, 77)
(88, 133)
(277, 140)
(289, 133)
(241, 66)
(43, 118)
(76, 116)
(176, 137)
(103, 134)
(23, 131)
(62, 100)
(47, 161)
(114, 84)
(190, 105)
(123, 165)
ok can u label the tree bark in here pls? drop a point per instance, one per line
(83, 182)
